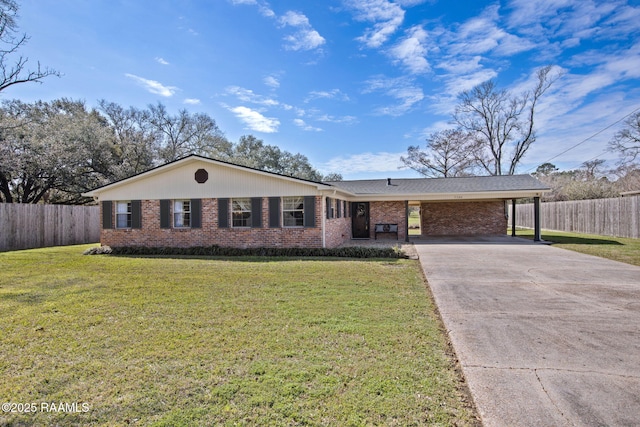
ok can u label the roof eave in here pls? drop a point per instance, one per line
(193, 158)
(477, 195)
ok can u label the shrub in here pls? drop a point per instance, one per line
(346, 252)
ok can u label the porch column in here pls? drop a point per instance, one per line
(536, 220)
(513, 217)
(406, 220)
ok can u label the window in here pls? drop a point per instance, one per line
(182, 213)
(241, 212)
(293, 211)
(123, 214)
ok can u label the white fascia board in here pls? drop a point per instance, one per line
(485, 195)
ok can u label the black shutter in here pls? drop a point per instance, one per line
(328, 208)
(136, 214)
(274, 212)
(165, 213)
(223, 213)
(196, 213)
(256, 212)
(107, 214)
(309, 211)
(338, 210)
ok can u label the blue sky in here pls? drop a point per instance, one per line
(348, 83)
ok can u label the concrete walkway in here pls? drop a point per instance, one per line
(545, 336)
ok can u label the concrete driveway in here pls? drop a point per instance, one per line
(545, 336)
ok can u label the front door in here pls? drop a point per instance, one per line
(360, 220)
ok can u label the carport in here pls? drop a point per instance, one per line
(476, 206)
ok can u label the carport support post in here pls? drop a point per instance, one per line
(536, 220)
(406, 222)
(513, 217)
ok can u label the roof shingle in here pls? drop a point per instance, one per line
(475, 184)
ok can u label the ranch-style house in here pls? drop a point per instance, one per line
(198, 201)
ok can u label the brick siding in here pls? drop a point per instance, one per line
(151, 235)
(463, 218)
(392, 212)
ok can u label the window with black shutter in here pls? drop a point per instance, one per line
(223, 213)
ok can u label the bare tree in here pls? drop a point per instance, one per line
(501, 123)
(14, 72)
(627, 141)
(184, 134)
(448, 153)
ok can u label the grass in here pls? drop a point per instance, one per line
(615, 248)
(152, 341)
(414, 223)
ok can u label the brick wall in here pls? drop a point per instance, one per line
(152, 235)
(388, 213)
(338, 231)
(463, 218)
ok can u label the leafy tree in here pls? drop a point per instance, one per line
(54, 151)
(13, 70)
(332, 177)
(253, 152)
(501, 123)
(545, 169)
(590, 181)
(135, 145)
(448, 153)
(627, 141)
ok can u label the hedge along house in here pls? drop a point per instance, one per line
(197, 201)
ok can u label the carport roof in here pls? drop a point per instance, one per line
(476, 184)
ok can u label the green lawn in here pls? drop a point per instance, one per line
(616, 248)
(414, 223)
(237, 341)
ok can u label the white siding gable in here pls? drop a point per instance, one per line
(177, 181)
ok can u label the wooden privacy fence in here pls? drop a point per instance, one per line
(24, 226)
(618, 217)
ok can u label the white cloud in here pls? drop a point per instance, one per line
(191, 101)
(271, 81)
(386, 16)
(153, 86)
(263, 6)
(304, 126)
(348, 120)
(305, 38)
(247, 95)
(255, 120)
(412, 50)
(402, 89)
(481, 35)
(460, 66)
(458, 83)
(323, 94)
(364, 162)
(294, 19)
(161, 61)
